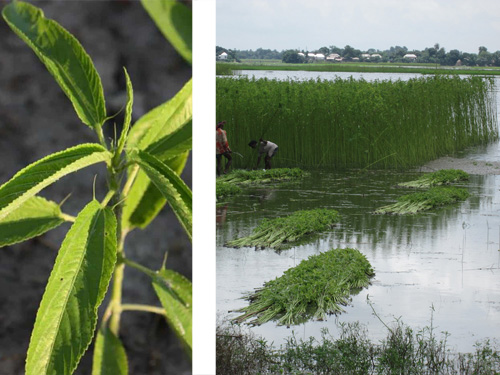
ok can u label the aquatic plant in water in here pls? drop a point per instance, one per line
(424, 201)
(225, 189)
(318, 286)
(282, 232)
(441, 177)
(242, 176)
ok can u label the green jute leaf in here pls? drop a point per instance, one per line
(162, 121)
(169, 184)
(175, 294)
(174, 20)
(34, 217)
(64, 58)
(29, 181)
(66, 319)
(174, 144)
(110, 357)
(144, 201)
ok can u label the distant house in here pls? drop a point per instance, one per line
(301, 54)
(222, 56)
(319, 56)
(376, 56)
(332, 56)
(365, 56)
(355, 59)
(410, 56)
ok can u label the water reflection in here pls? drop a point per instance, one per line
(448, 258)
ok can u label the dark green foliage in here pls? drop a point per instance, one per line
(357, 124)
(241, 353)
(361, 68)
(441, 177)
(317, 287)
(424, 201)
(242, 176)
(282, 232)
(403, 351)
(225, 189)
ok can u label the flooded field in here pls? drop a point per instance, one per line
(447, 261)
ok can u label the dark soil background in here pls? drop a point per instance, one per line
(37, 119)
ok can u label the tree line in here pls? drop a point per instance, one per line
(396, 54)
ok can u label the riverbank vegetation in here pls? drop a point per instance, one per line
(242, 176)
(282, 232)
(317, 287)
(425, 201)
(352, 67)
(404, 350)
(438, 178)
(358, 124)
(435, 55)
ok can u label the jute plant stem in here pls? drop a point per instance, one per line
(282, 232)
(225, 189)
(424, 201)
(441, 177)
(317, 287)
(241, 176)
(357, 124)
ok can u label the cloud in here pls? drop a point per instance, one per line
(283, 24)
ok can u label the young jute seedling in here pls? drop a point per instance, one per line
(318, 286)
(143, 164)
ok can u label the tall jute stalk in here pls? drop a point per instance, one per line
(355, 123)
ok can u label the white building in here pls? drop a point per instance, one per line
(222, 56)
(410, 56)
(376, 56)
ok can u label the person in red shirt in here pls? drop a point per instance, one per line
(222, 147)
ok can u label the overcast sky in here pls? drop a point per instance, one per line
(310, 24)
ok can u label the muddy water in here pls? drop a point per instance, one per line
(447, 261)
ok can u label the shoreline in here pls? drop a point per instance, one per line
(479, 167)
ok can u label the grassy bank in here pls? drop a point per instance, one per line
(357, 124)
(403, 351)
(227, 68)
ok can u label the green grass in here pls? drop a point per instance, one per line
(347, 123)
(317, 287)
(362, 68)
(283, 232)
(425, 201)
(241, 176)
(224, 189)
(404, 350)
(441, 177)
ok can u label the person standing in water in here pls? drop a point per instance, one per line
(222, 148)
(266, 148)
